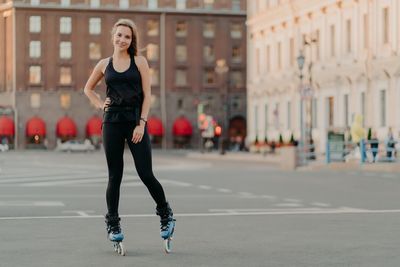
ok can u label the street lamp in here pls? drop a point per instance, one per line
(300, 63)
(221, 69)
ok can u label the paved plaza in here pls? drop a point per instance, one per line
(229, 213)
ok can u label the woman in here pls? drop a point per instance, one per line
(126, 108)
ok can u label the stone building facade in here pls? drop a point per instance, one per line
(49, 49)
(354, 51)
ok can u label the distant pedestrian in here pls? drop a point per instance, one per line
(374, 143)
(390, 144)
(126, 108)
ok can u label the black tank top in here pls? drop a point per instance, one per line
(126, 93)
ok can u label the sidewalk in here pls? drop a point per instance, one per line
(276, 159)
(392, 167)
(236, 156)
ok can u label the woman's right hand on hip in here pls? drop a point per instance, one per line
(106, 103)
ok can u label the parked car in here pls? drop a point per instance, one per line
(75, 145)
(4, 147)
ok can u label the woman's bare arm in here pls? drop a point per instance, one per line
(94, 78)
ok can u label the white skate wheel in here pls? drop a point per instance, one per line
(167, 245)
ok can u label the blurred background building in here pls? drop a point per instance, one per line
(341, 58)
(48, 49)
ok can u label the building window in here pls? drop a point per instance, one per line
(383, 108)
(181, 29)
(94, 51)
(94, 3)
(35, 74)
(152, 27)
(35, 100)
(236, 31)
(236, 54)
(266, 121)
(333, 41)
(152, 4)
(236, 79)
(279, 54)
(268, 58)
(34, 49)
(95, 26)
(346, 110)
(256, 122)
(348, 35)
(363, 107)
(289, 115)
(366, 31)
(257, 61)
(65, 76)
(181, 53)
(208, 53)
(330, 111)
(65, 50)
(124, 4)
(181, 4)
(152, 52)
(314, 113)
(35, 2)
(180, 78)
(35, 24)
(208, 4)
(65, 25)
(236, 5)
(386, 25)
(155, 81)
(291, 52)
(209, 30)
(209, 77)
(65, 2)
(65, 100)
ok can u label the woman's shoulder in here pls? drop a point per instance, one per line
(141, 61)
(102, 64)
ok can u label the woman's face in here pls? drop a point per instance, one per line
(122, 38)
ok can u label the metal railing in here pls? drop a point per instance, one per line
(367, 151)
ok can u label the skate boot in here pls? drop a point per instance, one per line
(115, 234)
(167, 225)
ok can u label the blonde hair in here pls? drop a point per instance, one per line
(133, 47)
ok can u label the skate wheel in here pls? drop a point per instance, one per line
(167, 245)
(121, 249)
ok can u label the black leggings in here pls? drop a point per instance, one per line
(114, 136)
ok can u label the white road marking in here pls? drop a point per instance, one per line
(293, 200)
(343, 210)
(82, 213)
(288, 205)
(224, 190)
(31, 204)
(320, 204)
(205, 187)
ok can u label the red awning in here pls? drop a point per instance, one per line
(66, 127)
(155, 126)
(93, 126)
(35, 126)
(182, 127)
(6, 126)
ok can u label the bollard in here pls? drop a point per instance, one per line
(362, 151)
(328, 153)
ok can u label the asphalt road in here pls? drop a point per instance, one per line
(228, 214)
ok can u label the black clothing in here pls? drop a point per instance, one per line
(119, 121)
(114, 135)
(125, 91)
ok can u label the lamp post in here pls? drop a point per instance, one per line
(222, 69)
(300, 63)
